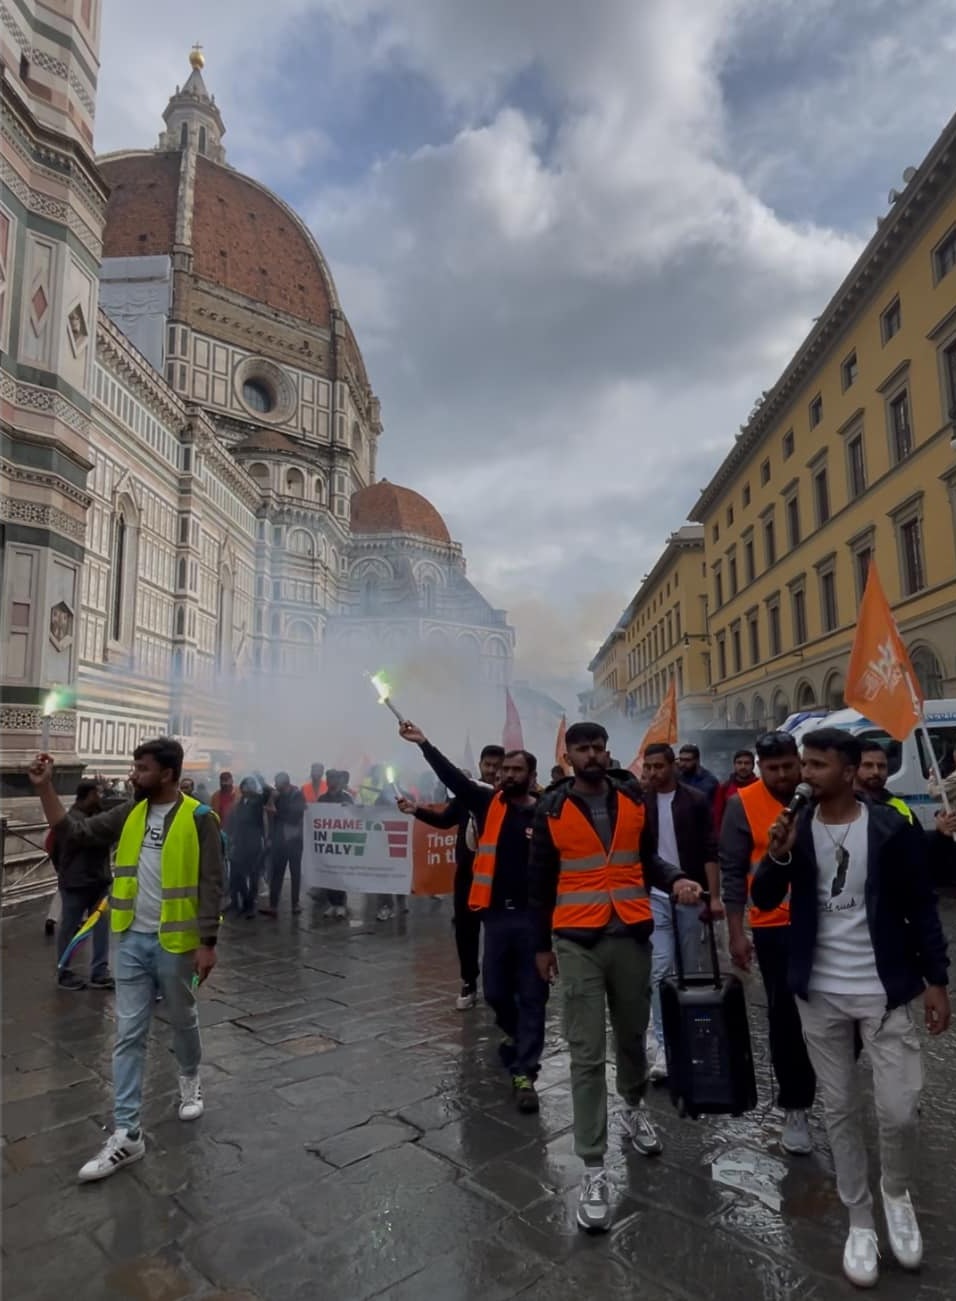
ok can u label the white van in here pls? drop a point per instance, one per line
(908, 760)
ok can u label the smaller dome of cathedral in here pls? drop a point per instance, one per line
(386, 507)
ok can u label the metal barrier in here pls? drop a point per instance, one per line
(27, 872)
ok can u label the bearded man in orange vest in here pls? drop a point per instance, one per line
(594, 860)
(512, 987)
(744, 838)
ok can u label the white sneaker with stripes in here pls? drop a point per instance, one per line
(118, 1150)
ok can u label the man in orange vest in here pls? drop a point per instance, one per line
(514, 990)
(594, 860)
(744, 836)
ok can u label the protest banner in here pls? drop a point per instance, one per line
(433, 869)
(358, 849)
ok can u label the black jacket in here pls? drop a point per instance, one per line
(694, 830)
(545, 866)
(901, 908)
(79, 866)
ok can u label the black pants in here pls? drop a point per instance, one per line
(513, 989)
(244, 879)
(467, 923)
(796, 1082)
(286, 853)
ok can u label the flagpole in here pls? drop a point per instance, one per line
(930, 752)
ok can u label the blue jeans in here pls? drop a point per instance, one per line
(512, 987)
(662, 943)
(142, 967)
(76, 904)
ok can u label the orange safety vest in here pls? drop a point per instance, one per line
(762, 810)
(479, 896)
(595, 883)
(311, 794)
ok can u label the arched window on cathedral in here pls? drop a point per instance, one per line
(202, 139)
(369, 594)
(224, 623)
(295, 483)
(428, 596)
(184, 135)
(119, 578)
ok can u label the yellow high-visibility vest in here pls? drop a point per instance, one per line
(179, 863)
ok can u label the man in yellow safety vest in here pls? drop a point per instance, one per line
(165, 909)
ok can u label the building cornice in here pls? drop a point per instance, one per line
(935, 175)
(151, 387)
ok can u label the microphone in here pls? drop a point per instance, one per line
(801, 797)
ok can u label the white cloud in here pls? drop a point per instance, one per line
(569, 303)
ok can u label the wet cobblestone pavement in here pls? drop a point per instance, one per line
(359, 1141)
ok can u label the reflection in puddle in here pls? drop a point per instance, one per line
(751, 1172)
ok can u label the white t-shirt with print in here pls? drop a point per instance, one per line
(844, 961)
(666, 836)
(149, 890)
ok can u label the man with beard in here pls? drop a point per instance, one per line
(871, 781)
(164, 912)
(743, 843)
(593, 859)
(467, 923)
(499, 892)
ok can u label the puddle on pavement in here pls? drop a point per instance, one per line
(751, 1172)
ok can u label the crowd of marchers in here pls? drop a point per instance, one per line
(597, 885)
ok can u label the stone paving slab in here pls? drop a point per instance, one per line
(360, 1142)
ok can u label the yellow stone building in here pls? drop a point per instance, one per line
(848, 458)
(661, 634)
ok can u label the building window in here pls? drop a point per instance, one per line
(911, 556)
(765, 472)
(257, 396)
(901, 432)
(746, 495)
(753, 633)
(944, 258)
(862, 555)
(828, 600)
(788, 445)
(750, 566)
(793, 521)
(856, 465)
(202, 139)
(949, 381)
(798, 599)
(736, 647)
(773, 625)
(718, 587)
(891, 321)
(849, 371)
(821, 493)
(730, 516)
(715, 533)
(119, 579)
(732, 571)
(770, 542)
(721, 657)
(816, 411)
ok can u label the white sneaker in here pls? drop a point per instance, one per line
(639, 1130)
(190, 1097)
(902, 1228)
(119, 1150)
(466, 999)
(384, 914)
(329, 910)
(594, 1208)
(658, 1069)
(861, 1257)
(795, 1136)
(340, 910)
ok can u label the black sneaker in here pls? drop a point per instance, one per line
(102, 982)
(525, 1095)
(69, 980)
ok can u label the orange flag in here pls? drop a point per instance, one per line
(560, 747)
(880, 681)
(512, 737)
(663, 727)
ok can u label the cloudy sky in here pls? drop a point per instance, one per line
(575, 238)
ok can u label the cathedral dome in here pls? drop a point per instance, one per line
(243, 237)
(385, 507)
